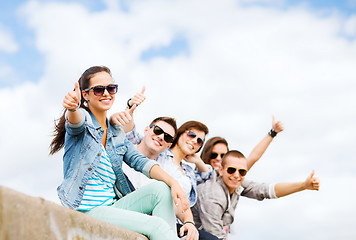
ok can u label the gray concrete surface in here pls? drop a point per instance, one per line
(26, 217)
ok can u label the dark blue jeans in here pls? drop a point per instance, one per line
(202, 234)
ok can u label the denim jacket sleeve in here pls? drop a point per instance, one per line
(78, 128)
(203, 176)
(137, 160)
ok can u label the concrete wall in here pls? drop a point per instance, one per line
(26, 217)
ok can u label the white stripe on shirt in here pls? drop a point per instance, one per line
(99, 189)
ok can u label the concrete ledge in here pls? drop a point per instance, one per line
(26, 217)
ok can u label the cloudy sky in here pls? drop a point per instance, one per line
(229, 64)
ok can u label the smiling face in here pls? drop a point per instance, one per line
(218, 150)
(232, 181)
(103, 102)
(156, 143)
(188, 144)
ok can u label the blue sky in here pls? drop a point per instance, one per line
(229, 64)
(28, 61)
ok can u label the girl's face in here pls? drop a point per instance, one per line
(191, 140)
(217, 153)
(101, 102)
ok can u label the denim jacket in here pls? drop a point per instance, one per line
(82, 152)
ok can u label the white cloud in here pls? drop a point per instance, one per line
(244, 64)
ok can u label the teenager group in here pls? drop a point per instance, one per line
(155, 184)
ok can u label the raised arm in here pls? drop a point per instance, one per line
(125, 119)
(261, 147)
(284, 189)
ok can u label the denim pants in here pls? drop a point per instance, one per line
(148, 210)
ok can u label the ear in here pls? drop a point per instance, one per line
(169, 145)
(85, 95)
(146, 130)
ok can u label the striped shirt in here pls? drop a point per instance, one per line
(99, 190)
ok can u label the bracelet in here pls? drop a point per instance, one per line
(189, 222)
(70, 110)
(272, 133)
(128, 103)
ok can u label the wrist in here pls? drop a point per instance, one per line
(304, 186)
(73, 110)
(128, 103)
(272, 133)
(171, 182)
(189, 222)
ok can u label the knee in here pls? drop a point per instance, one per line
(161, 190)
(160, 187)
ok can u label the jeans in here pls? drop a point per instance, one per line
(148, 210)
(203, 235)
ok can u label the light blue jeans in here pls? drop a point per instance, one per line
(131, 212)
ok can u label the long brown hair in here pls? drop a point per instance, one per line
(209, 145)
(59, 124)
(187, 126)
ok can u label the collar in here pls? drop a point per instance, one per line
(97, 126)
(94, 121)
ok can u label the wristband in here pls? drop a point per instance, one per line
(73, 110)
(272, 133)
(189, 222)
(128, 103)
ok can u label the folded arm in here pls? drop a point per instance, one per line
(179, 197)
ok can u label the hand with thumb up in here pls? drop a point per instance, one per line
(72, 99)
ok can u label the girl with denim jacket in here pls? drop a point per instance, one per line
(93, 155)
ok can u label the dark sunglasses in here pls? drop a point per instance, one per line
(158, 131)
(232, 170)
(215, 155)
(99, 90)
(193, 135)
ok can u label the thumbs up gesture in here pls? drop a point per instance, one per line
(123, 118)
(138, 98)
(72, 99)
(312, 183)
(277, 125)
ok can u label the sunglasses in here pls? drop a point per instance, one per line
(158, 131)
(215, 155)
(193, 135)
(99, 90)
(232, 170)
